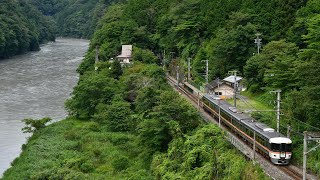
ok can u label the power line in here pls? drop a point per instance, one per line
(299, 121)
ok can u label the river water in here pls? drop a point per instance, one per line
(35, 85)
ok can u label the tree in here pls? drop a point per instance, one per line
(146, 99)
(169, 107)
(116, 70)
(307, 76)
(154, 135)
(145, 56)
(232, 46)
(34, 125)
(117, 115)
(93, 88)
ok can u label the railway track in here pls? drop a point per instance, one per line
(291, 173)
(182, 90)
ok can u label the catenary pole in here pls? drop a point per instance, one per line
(305, 133)
(278, 107)
(258, 42)
(207, 71)
(234, 73)
(189, 73)
(178, 75)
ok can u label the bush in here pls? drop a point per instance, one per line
(144, 55)
(33, 125)
(121, 163)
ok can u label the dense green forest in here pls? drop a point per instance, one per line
(223, 32)
(74, 18)
(22, 28)
(26, 24)
(128, 123)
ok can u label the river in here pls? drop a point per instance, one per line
(35, 85)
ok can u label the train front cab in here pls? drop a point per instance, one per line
(280, 150)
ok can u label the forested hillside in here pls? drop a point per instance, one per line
(22, 28)
(128, 123)
(74, 18)
(223, 32)
(26, 24)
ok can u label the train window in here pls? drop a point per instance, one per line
(275, 147)
(218, 93)
(288, 148)
(285, 147)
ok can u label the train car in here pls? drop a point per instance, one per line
(269, 143)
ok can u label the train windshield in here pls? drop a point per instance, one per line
(281, 147)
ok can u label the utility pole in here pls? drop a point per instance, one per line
(163, 59)
(309, 136)
(96, 57)
(207, 71)
(305, 149)
(171, 54)
(278, 107)
(234, 87)
(258, 42)
(219, 102)
(288, 131)
(198, 101)
(219, 112)
(254, 146)
(189, 73)
(97, 54)
(178, 75)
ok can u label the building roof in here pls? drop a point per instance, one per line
(126, 51)
(213, 84)
(231, 79)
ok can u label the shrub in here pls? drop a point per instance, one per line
(120, 163)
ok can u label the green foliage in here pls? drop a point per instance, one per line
(116, 70)
(136, 100)
(120, 163)
(146, 99)
(22, 28)
(92, 155)
(169, 107)
(274, 67)
(117, 115)
(231, 48)
(154, 135)
(34, 125)
(75, 18)
(145, 56)
(93, 88)
(202, 155)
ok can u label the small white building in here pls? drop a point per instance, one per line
(225, 87)
(126, 54)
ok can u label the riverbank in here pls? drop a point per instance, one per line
(35, 85)
(130, 129)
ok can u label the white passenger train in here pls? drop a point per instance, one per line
(268, 142)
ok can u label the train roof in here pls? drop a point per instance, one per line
(245, 119)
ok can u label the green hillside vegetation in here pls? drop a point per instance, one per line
(22, 28)
(24, 25)
(132, 126)
(224, 34)
(137, 103)
(74, 18)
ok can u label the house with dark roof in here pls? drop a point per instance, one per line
(225, 87)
